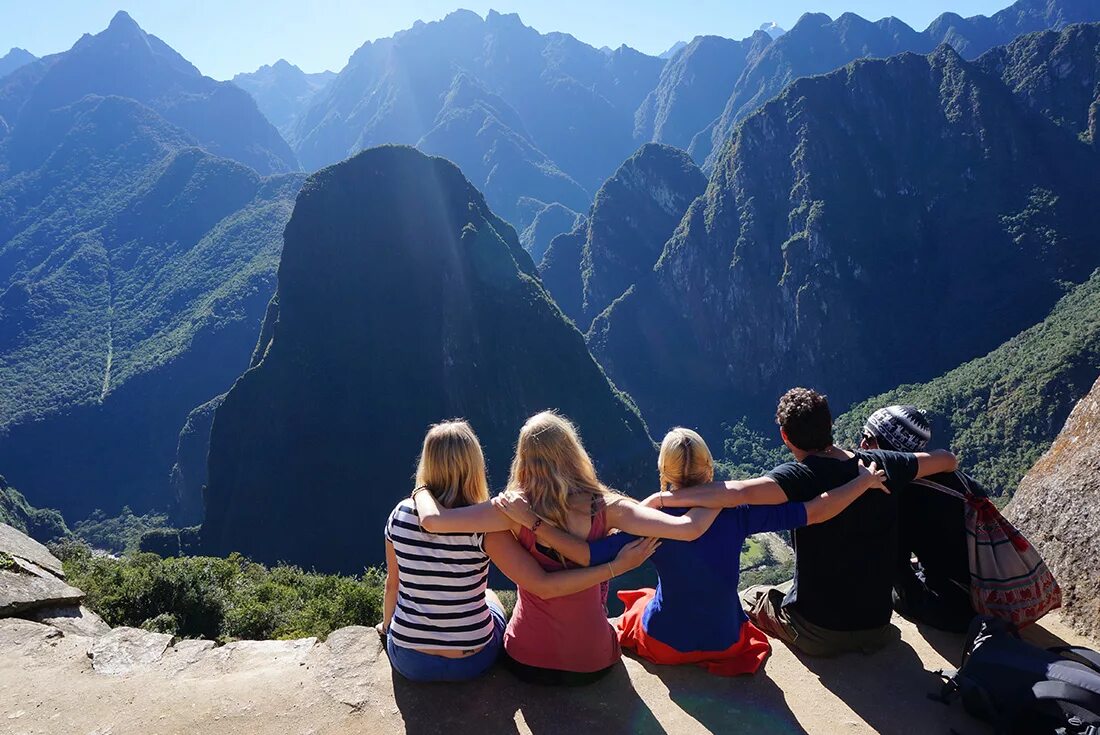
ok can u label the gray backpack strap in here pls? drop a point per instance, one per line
(938, 487)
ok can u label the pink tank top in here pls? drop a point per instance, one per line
(569, 633)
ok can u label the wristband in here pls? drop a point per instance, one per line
(417, 489)
(612, 569)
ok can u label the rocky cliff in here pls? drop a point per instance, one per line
(1057, 506)
(835, 213)
(635, 212)
(402, 300)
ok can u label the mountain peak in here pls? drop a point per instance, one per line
(123, 22)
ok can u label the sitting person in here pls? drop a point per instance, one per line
(440, 621)
(841, 596)
(935, 590)
(695, 616)
(562, 639)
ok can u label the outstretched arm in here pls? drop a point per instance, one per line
(829, 504)
(632, 517)
(480, 518)
(488, 517)
(935, 462)
(520, 567)
(728, 494)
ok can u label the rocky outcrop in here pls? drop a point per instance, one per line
(402, 300)
(837, 209)
(128, 650)
(693, 87)
(550, 221)
(1057, 506)
(635, 212)
(345, 685)
(1056, 73)
(31, 578)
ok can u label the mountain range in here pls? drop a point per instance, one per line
(135, 264)
(923, 221)
(282, 91)
(834, 213)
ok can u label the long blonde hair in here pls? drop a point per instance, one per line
(551, 465)
(685, 460)
(452, 465)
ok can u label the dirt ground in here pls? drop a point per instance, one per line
(48, 685)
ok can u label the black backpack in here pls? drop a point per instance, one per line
(1023, 689)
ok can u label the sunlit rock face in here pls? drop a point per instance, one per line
(1058, 507)
(402, 301)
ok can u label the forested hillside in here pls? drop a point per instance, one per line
(836, 212)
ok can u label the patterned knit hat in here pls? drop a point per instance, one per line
(904, 428)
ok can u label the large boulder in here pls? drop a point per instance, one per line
(25, 586)
(1058, 507)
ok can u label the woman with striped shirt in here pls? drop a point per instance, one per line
(441, 621)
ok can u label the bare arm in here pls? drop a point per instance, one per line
(518, 510)
(728, 494)
(520, 567)
(488, 517)
(935, 462)
(640, 520)
(389, 597)
(829, 504)
(480, 518)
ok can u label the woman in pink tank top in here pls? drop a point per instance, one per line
(559, 638)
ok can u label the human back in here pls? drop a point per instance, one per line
(568, 633)
(437, 607)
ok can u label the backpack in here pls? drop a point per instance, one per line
(1008, 578)
(1023, 689)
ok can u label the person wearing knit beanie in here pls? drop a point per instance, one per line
(935, 590)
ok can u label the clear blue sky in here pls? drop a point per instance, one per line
(222, 37)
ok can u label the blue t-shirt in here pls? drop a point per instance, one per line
(697, 607)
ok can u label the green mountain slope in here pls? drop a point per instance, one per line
(402, 300)
(134, 270)
(1000, 412)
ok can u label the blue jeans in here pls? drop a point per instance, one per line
(418, 666)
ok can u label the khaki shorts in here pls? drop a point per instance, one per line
(764, 606)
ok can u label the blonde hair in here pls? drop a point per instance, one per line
(685, 460)
(551, 465)
(452, 465)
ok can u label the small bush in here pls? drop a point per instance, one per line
(220, 599)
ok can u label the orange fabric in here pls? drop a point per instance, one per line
(746, 656)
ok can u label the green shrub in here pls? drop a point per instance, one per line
(220, 599)
(119, 534)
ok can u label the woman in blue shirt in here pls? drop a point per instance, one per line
(694, 615)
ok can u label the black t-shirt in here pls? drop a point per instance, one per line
(844, 568)
(933, 526)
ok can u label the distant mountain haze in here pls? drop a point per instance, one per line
(835, 210)
(819, 44)
(14, 59)
(283, 91)
(125, 61)
(402, 300)
(523, 113)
